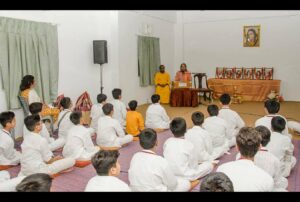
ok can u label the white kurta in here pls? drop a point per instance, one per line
(96, 113)
(79, 144)
(65, 123)
(110, 133)
(106, 184)
(157, 117)
(294, 125)
(266, 121)
(8, 154)
(150, 172)
(120, 111)
(202, 142)
(282, 147)
(182, 159)
(7, 184)
(246, 176)
(219, 131)
(234, 121)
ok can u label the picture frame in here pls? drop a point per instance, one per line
(251, 36)
(229, 73)
(258, 73)
(220, 72)
(238, 73)
(248, 73)
(268, 73)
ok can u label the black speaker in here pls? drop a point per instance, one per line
(100, 51)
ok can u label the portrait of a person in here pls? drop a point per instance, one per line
(251, 36)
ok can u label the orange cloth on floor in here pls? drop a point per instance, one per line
(134, 122)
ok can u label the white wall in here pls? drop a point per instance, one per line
(215, 38)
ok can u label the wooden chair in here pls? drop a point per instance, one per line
(198, 82)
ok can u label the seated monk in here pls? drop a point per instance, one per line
(183, 75)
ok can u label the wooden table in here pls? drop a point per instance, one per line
(184, 97)
(249, 90)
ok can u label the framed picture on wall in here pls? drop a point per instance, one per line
(251, 36)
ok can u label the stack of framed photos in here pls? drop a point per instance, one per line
(262, 73)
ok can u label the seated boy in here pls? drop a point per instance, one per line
(108, 169)
(119, 107)
(134, 120)
(79, 145)
(110, 132)
(9, 156)
(6, 183)
(96, 111)
(281, 146)
(233, 119)
(151, 172)
(36, 156)
(243, 173)
(216, 182)
(181, 155)
(39, 182)
(217, 128)
(201, 140)
(156, 116)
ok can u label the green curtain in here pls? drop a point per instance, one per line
(28, 47)
(148, 59)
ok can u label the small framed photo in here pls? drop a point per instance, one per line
(220, 72)
(258, 73)
(251, 37)
(229, 73)
(268, 73)
(238, 73)
(248, 73)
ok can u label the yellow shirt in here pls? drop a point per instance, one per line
(134, 123)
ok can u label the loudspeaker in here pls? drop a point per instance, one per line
(100, 51)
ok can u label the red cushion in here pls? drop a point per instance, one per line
(82, 164)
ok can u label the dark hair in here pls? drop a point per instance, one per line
(107, 108)
(252, 30)
(38, 182)
(248, 140)
(65, 102)
(101, 98)
(132, 105)
(183, 64)
(265, 134)
(272, 106)
(148, 138)
(116, 93)
(216, 182)
(104, 160)
(213, 110)
(225, 99)
(31, 121)
(26, 82)
(178, 127)
(198, 118)
(155, 98)
(278, 124)
(6, 117)
(35, 107)
(75, 117)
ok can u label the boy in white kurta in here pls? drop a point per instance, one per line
(79, 145)
(8, 154)
(217, 128)
(110, 132)
(96, 111)
(7, 184)
(267, 161)
(216, 182)
(272, 108)
(36, 156)
(38, 182)
(243, 173)
(151, 172)
(233, 119)
(281, 146)
(108, 169)
(120, 110)
(156, 115)
(201, 140)
(180, 154)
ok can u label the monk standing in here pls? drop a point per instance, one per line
(162, 85)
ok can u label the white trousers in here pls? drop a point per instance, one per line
(7, 184)
(288, 166)
(124, 140)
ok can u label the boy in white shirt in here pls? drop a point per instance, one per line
(96, 111)
(38, 182)
(36, 156)
(9, 156)
(217, 128)
(243, 173)
(216, 182)
(181, 155)
(201, 140)
(110, 132)
(233, 119)
(151, 172)
(120, 110)
(281, 146)
(79, 145)
(156, 116)
(6, 183)
(108, 169)
(272, 108)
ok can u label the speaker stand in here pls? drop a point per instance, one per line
(101, 79)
